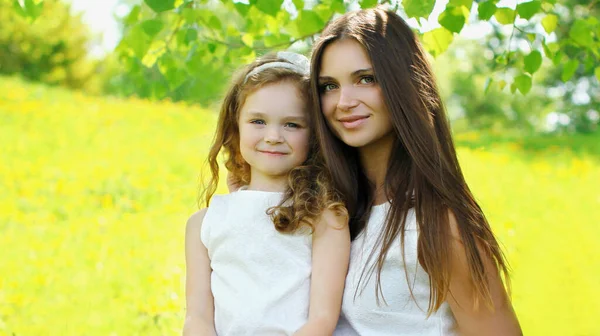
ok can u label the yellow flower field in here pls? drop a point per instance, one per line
(95, 192)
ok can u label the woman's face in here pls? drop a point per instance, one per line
(351, 98)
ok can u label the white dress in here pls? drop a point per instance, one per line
(260, 278)
(402, 315)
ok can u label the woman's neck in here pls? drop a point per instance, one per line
(374, 159)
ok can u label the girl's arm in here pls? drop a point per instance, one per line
(502, 320)
(199, 319)
(330, 258)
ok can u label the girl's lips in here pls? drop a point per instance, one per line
(273, 153)
(354, 122)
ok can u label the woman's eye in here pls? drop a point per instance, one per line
(257, 122)
(328, 87)
(367, 80)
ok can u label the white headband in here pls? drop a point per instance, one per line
(295, 62)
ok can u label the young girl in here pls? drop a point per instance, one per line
(424, 260)
(270, 258)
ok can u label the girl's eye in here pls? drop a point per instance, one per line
(367, 80)
(292, 125)
(258, 122)
(328, 87)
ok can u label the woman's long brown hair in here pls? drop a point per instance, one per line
(423, 170)
(309, 189)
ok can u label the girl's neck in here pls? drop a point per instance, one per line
(374, 159)
(263, 183)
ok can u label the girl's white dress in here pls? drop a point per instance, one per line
(260, 278)
(399, 314)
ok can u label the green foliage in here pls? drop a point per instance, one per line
(505, 15)
(453, 18)
(527, 10)
(188, 49)
(437, 40)
(43, 41)
(533, 61)
(486, 10)
(418, 8)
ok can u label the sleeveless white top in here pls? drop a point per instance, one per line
(260, 278)
(402, 315)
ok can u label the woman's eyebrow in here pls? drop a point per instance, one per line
(361, 72)
(353, 74)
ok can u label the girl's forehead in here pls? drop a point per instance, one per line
(281, 99)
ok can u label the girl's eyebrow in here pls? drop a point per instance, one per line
(256, 114)
(295, 118)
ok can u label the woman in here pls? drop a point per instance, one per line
(424, 260)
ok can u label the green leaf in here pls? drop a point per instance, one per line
(453, 18)
(418, 8)
(308, 22)
(157, 49)
(241, 8)
(581, 34)
(597, 73)
(513, 87)
(338, 6)
(159, 6)
(569, 70)
(528, 9)
(215, 23)
(152, 27)
(17, 8)
(269, 7)
(547, 50)
(436, 41)
(592, 21)
(324, 12)
(275, 40)
(466, 3)
(190, 35)
(589, 63)
(488, 85)
(549, 23)
(137, 41)
(299, 4)
(505, 15)
(533, 61)
(558, 57)
(133, 16)
(367, 3)
(523, 83)
(32, 9)
(171, 70)
(248, 40)
(502, 84)
(486, 10)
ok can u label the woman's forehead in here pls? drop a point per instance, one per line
(343, 57)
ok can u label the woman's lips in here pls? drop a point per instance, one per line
(352, 122)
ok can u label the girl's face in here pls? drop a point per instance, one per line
(274, 131)
(351, 98)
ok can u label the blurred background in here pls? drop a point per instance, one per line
(107, 110)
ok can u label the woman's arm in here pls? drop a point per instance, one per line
(501, 320)
(330, 258)
(199, 319)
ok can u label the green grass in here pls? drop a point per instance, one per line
(94, 194)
